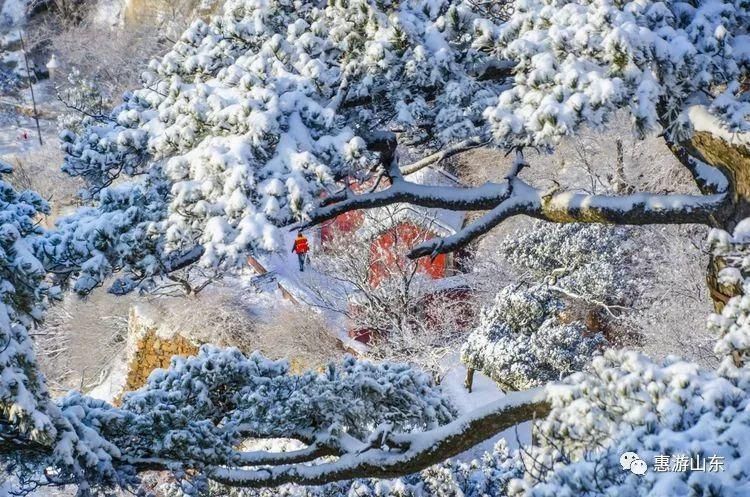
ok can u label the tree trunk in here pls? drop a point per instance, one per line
(732, 159)
(469, 381)
(720, 293)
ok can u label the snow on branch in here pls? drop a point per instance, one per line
(708, 178)
(483, 197)
(505, 210)
(375, 420)
(450, 151)
(399, 454)
(637, 209)
(514, 197)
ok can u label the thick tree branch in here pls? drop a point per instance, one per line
(635, 209)
(573, 207)
(514, 197)
(484, 224)
(709, 179)
(417, 451)
(518, 201)
(484, 197)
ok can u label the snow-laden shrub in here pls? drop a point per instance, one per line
(522, 342)
(84, 101)
(628, 403)
(266, 399)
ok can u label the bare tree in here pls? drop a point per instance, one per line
(115, 66)
(408, 316)
(64, 341)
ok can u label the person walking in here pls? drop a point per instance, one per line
(301, 248)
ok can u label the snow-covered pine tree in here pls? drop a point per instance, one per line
(576, 283)
(521, 341)
(242, 126)
(590, 263)
(194, 415)
(23, 396)
(84, 101)
(251, 116)
(34, 431)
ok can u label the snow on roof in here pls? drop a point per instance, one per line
(441, 222)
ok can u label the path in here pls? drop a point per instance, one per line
(279, 271)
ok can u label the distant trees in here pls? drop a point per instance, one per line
(597, 266)
(575, 286)
(122, 51)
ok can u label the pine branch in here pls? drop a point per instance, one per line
(515, 197)
(458, 148)
(401, 454)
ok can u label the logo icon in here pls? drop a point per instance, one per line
(631, 462)
(639, 467)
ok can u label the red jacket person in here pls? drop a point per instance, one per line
(300, 248)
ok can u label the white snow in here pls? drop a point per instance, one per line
(13, 12)
(702, 120)
(114, 384)
(484, 392)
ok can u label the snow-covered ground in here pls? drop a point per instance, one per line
(16, 118)
(12, 13)
(484, 391)
(16, 115)
(283, 270)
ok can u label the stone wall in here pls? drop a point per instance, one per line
(155, 336)
(152, 353)
(151, 348)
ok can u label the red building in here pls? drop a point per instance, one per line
(393, 230)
